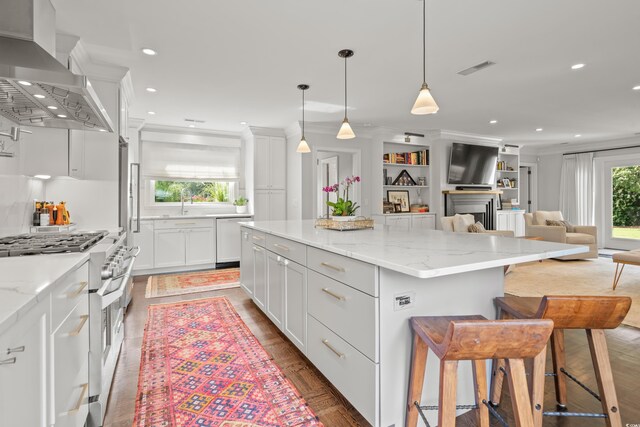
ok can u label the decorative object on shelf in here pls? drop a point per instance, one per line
(345, 131)
(241, 204)
(387, 207)
(400, 197)
(404, 179)
(397, 208)
(425, 104)
(343, 206)
(422, 181)
(419, 208)
(359, 223)
(303, 147)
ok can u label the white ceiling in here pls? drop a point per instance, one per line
(240, 60)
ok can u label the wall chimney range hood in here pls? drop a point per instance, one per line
(36, 89)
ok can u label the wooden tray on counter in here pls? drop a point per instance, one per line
(360, 223)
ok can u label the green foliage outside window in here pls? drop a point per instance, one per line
(200, 191)
(626, 196)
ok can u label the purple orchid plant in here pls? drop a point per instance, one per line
(343, 206)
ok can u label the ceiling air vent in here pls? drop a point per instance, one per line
(476, 68)
(193, 121)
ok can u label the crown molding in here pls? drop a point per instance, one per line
(256, 130)
(469, 137)
(178, 130)
(587, 146)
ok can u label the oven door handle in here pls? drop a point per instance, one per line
(111, 297)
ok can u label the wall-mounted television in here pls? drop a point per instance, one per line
(472, 164)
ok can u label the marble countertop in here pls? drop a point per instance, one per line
(229, 215)
(419, 253)
(27, 280)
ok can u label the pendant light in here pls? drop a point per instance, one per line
(303, 147)
(345, 131)
(425, 104)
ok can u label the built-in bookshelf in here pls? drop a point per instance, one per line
(405, 166)
(507, 176)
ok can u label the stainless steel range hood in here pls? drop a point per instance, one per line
(36, 89)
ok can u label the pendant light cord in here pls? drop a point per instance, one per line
(345, 87)
(303, 114)
(424, 41)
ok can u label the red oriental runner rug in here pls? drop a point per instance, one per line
(166, 285)
(202, 367)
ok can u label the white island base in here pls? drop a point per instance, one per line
(345, 299)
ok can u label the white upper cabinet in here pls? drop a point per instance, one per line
(45, 152)
(270, 163)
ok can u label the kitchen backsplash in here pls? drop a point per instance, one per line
(17, 193)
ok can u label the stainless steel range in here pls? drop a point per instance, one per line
(110, 286)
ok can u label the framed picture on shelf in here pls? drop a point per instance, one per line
(400, 197)
(387, 207)
(397, 208)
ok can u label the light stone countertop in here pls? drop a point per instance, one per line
(419, 253)
(27, 280)
(209, 216)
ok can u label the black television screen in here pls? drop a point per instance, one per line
(472, 164)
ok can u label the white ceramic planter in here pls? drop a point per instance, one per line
(241, 209)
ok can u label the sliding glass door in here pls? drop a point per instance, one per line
(621, 188)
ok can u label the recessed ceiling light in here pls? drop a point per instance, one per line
(52, 107)
(37, 95)
(42, 176)
(151, 112)
(62, 116)
(243, 123)
(577, 66)
(150, 89)
(539, 130)
(148, 51)
(577, 135)
(493, 122)
(102, 130)
(636, 87)
(192, 126)
(24, 83)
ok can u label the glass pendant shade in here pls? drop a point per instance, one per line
(425, 104)
(345, 131)
(303, 147)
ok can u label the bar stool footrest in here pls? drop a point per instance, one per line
(575, 414)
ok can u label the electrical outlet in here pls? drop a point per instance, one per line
(403, 300)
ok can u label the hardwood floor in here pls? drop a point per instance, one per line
(333, 410)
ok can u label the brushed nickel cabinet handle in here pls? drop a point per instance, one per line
(283, 247)
(80, 399)
(16, 350)
(333, 294)
(257, 249)
(258, 238)
(336, 352)
(78, 291)
(186, 223)
(333, 267)
(8, 361)
(78, 329)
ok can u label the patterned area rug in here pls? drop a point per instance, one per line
(586, 277)
(202, 367)
(188, 283)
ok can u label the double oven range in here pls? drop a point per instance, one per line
(110, 287)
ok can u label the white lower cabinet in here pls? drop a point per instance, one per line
(511, 220)
(200, 247)
(260, 276)
(44, 358)
(275, 288)
(24, 362)
(295, 304)
(426, 222)
(407, 221)
(169, 248)
(246, 261)
(144, 240)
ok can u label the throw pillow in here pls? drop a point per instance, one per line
(566, 224)
(477, 228)
(461, 223)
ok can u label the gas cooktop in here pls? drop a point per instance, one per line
(53, 243)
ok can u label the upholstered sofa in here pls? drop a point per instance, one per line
(460, 224)
(587, 235)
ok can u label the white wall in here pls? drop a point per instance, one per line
(549, 168)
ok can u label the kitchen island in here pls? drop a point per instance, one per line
(344, 298)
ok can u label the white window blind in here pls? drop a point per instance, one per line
(177, 160)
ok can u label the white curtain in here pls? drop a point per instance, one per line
(576, 189)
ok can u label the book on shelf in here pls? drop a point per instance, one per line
(420, 158)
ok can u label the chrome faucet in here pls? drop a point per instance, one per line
(183, 192)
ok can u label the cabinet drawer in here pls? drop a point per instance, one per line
(183, 223)
(67, 294)
(346, 311)
(258, 238)
(355, 376)
(357, 274)
(71, 370)
(289, 249)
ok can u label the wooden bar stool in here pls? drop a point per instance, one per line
(594, 314)
(454, 338)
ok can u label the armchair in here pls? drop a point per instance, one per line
(587, 235)
(447, 223)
